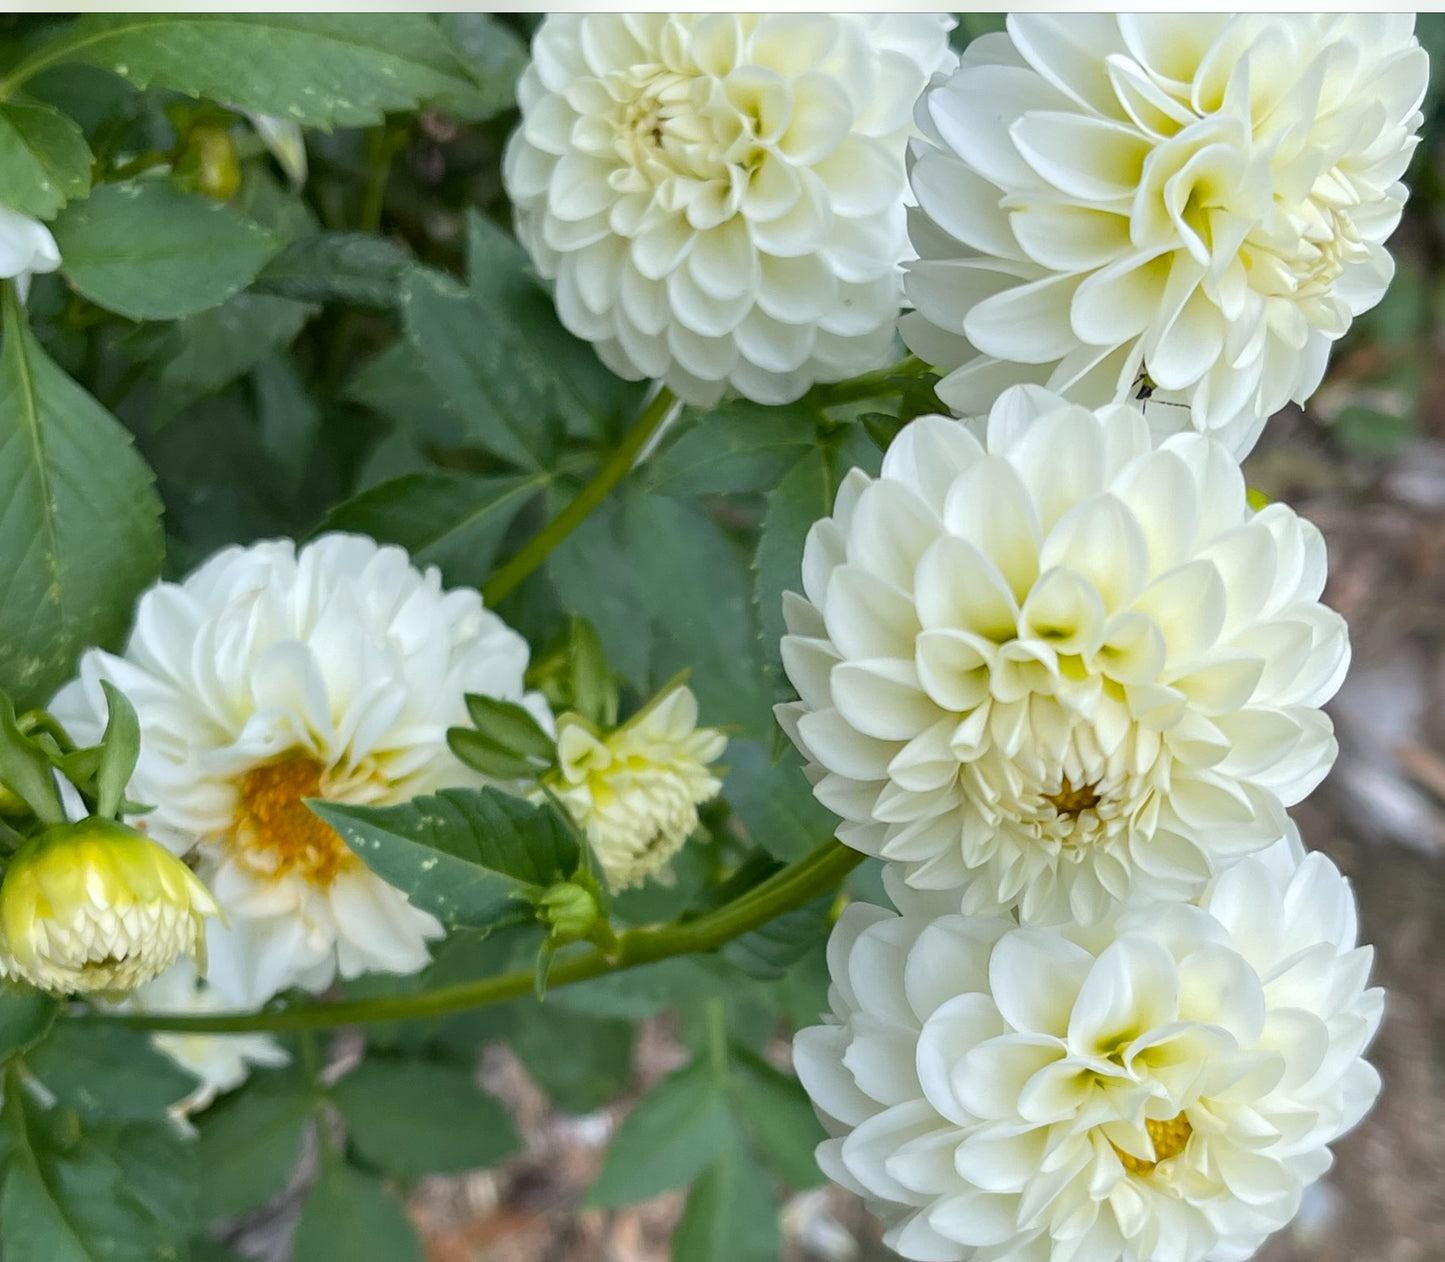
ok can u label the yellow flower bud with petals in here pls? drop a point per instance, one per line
(97, 906)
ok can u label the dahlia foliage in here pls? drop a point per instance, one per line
(495, 503)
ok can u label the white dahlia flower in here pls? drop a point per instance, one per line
(1162, 1085)
(1193, 205)
(26, 247)
(635, 790)
(720, 197)
(220, 1062)
(274, 674)
(1045, 659)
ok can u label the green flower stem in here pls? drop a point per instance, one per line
(800, 882)
(609, 475)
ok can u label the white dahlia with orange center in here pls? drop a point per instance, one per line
(720, 197)
(274, 674)
(1181, 207)
(1048, 661)
(1162, 1085)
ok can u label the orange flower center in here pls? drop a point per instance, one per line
(275, 834)
(1169, 1140)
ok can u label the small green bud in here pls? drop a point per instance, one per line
(570, 910)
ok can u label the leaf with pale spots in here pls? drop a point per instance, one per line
(470, 857)
(44, 156)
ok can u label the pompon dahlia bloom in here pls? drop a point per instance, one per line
(1195, 204)
(26, 247)
(1045, 659)
(635, 790)
(720, 197)
(274, 674)
(1162, 1085)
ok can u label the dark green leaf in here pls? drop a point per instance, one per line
(45, 159)
(781, 1116)
(767, 951)
(250, 1142)
(287, 414)
(639, 992)
(451, 520)
(465, 855)
(774, 800)
(411, 1118)
(493, 57)
(511, 727)
(320, 69)
(108, 1071)
(672, 1133)
(394, 385)
(353, 267)
(581, 1062)
(349, 1217)
(741, 446)
(151, 253)
(80, 536)
(25, 1017)
(731, 1213)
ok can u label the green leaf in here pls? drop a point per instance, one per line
(581, 1062)
(731, 1213)
(349, 1217)
(320, 69)
(108, 1071)
(740, 446)
(117, 1195)
(479, 360)
(467, 856)
(780, 1115)
(148, 252)
(119, 750)
(80, 535)
(504, 735)
(250, 1142)
(354, 267)
(411, 1118)
(454, 521)
(767, 951)
(44, 156)
(774, 800)
(287, 414)
(494, 58)
(25, 1017)
(672, 1133)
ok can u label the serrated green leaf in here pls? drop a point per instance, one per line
(25, 1017)
(672, 1133)
(250, 1141)
(44, 156)
(767, 951)
(464, 855)
(350, 1217)
(320, 69)
(108, 1071)
(774, 800)
(411, 1118)
(354, 267)
(146, 251)
(780, 1115)
(731, 1213)
(454, 521)
(80, 536)
(741, 446)
(116, 1195)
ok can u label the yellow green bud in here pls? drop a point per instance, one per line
(570, 910)
(97, 906)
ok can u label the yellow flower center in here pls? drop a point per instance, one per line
(275, 834)
(1169, 1139)
(1071, 801)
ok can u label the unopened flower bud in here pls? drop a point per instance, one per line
(570, 911)
(97, 906)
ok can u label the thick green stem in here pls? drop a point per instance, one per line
(609, 475)
(795, 885)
